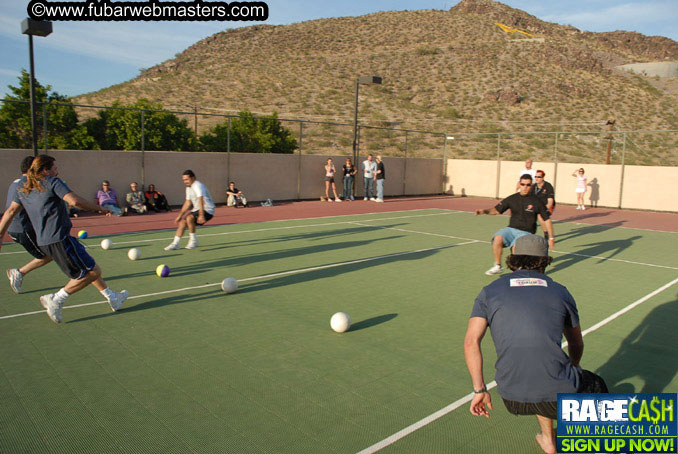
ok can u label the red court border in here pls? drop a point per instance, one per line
(98, 225)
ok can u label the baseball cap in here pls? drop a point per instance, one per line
(531, 245)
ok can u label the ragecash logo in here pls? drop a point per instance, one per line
(617, 423)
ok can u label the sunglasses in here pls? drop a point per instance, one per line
(539, 176)
(525, 184)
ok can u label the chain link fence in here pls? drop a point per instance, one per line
(167, 130)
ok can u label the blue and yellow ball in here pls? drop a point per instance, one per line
(82, 234)
(162, 271)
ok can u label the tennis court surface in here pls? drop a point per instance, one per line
(185, 367)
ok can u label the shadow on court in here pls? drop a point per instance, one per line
(274, 255)
(648, 352)
(235, 241)
(330, 272)
(370, 322)
(300, 278)
(587, 230)
(585, 215)
(603, 249)
(130, 306)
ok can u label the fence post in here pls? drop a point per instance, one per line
(555, 168)
(623, 168)
(405, 167)
(444, 176)
(195, 130)
(143, 153)
(498, 164)
(228, 151)
(44, 125)
(301, 136)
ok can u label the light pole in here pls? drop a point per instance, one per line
(365, 80)
(32, 27)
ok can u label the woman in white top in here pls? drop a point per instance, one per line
(581, 188)
(329, 180)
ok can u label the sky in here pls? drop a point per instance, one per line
(81, 57)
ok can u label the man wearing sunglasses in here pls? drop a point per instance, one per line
(526, 209)
(544, 191)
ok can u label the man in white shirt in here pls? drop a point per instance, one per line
(528, 170)
(369, 171)
(197, 210)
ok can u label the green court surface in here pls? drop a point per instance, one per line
(185, 367)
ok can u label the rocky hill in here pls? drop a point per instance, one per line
(445, 71)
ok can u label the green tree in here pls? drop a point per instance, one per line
(250, 135)
(63, 131)
(120, 128)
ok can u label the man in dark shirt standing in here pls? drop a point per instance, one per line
(544, 191)
(380, 178)
(526, 209)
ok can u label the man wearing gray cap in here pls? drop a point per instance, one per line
(528, 313)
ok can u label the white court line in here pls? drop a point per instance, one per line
(469, 397)
(255, 278)
(617, 260)
(614, 227)
(447, 212)
(554, 251)
(415, 231)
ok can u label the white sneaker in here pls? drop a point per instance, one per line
(496, 269)
(172, 247)
(192, 244)
(329, 200)
(52, 306)
(15, 279)
(379, 200)
(374, 199)
(337, 200)
(583, 207)
(365, 198)
(117, 299)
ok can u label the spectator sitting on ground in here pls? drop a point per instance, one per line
(156, 200)
(235, 196)
(107, 198)
(135, 199)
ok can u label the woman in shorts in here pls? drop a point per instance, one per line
(580, 190)
(329, 181)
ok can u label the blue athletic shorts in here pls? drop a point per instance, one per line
(27, 240)
(510, 235)
(71, 256)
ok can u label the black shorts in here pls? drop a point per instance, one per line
(330, 179)
(71, 257)
(197, 213)
(27, 240)
(590, 384)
